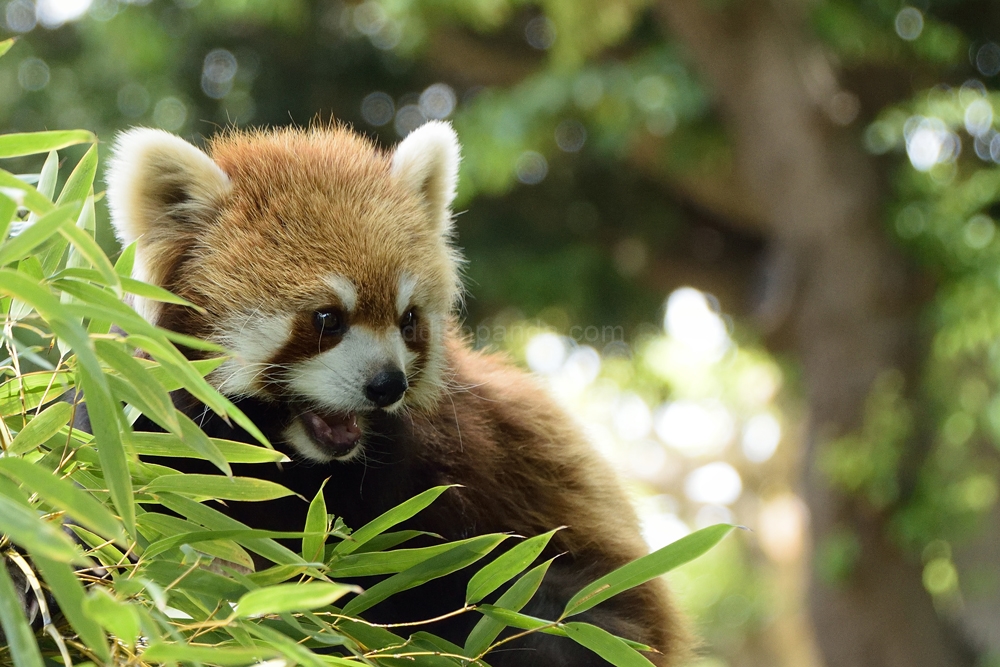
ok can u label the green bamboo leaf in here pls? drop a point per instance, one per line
(292, 597)
(154, 525)
(505, 567)
(21, 394)
(63, 495)
(154, 293)
(513, 599)
(387, 541)
(87, 247)
(119, 618)
(295, 652)
(126, 261)
(168, 444)
(175, 363)
(49, 175)
(317, 523)
(8, 208)
(81, 180)
(202, 367)
(242, 536)
(38, 233)
(31, 198)
(26, 529)
(42, 427)
(456, 558)
(5, 45)
(31, 143)
(246, 489)
(606, 645)
(20, 639)
(521, 621)
(646, 568)
(389, 519)
(387, 562)
(215, 520)
(156, 400)
(68, 591)
(215, 655)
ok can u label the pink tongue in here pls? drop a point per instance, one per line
(338, 433)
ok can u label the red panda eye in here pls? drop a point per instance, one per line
(329, 321)
(408, 323)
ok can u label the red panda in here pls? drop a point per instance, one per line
(328, 267)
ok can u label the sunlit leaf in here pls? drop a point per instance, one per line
(505, 567)
(316, 527)
(27, 529)
(29, 143)
(65, 496)
(42, 427)
(168, 444)
(454, 559)
(387, 520)
(605, 644)
(646, 568)
(291, 597)
(119, 618)
(513, 599)
(38, 233)
(215, 655)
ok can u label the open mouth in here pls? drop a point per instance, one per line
(336, 434)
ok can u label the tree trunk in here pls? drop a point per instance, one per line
(852, 312)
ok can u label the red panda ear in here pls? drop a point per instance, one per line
(156, 180)
(426, 162)
(161, 189)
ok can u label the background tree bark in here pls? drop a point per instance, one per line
(851, 310)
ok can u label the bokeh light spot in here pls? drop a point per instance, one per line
(20, 16)
(695, 428)
(437, 101)
(408, 118)
(716, 483)
(545, 353)
(691, 320)
(978, 117)
(761, 436)
(170, 114)
(33, 74)
(218, 71)
(979, 231)
(781, 525)
(53, 13)
(540, 33)
(909, 23)
(378, 108)
(988, 59)
(133, 100)
(570, 135)
(531, 168)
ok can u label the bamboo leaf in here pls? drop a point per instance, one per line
(292, 597)
(37, 233)
(30, 143)
(63, 495)
(25, 528)
(454, 559)
(120, 618)
(168, 444)
(20, 638)
(246, 489)
(215, 655)
(317, 523)
(389, 519)
(5, 45)
(606, 645)
(81, 180)
(505, 567)
(31, 198)
(68, 591)
(646, 568)
(386, 562)
(42, 427)
(513, 599)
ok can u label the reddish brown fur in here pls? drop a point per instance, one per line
(305, 204)
(527, 468)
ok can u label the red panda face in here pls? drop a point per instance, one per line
(324, 265)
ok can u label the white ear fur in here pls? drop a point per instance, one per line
(160, 189)
(426, 162)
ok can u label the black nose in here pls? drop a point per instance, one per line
(386, 388)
